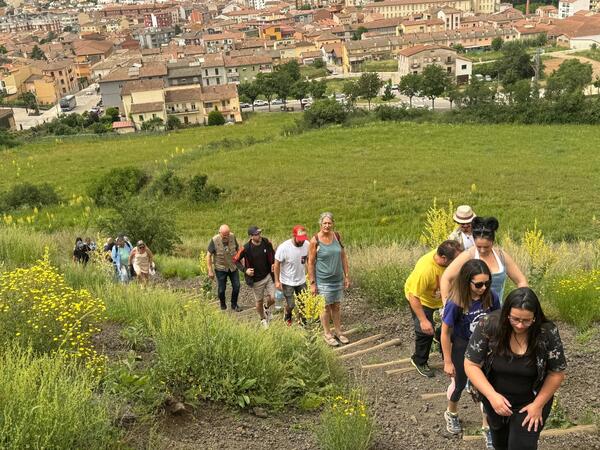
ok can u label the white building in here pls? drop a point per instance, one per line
(568, 8)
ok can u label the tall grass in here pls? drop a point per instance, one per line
(211, 355)
(19, 247)
(49, 402)
(177, 267)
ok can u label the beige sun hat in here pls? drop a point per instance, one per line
(464, 214)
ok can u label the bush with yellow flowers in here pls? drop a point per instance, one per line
(576, 297)
(38, 308)
(346, 423)
(309, 306)
(439, 223)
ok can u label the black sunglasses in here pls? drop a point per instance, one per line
(481, 284)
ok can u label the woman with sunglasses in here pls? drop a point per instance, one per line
(515, 359)
(500, 263)
(471, 300)
(141, 259)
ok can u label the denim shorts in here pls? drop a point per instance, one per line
(332, 294)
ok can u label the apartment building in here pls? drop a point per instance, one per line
(404, 8)
(413, 60)
(568, 8)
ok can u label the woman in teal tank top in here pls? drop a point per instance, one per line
(328, 273)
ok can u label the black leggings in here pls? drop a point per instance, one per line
(459, 347)
(507, 432)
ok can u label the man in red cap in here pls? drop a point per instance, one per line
(290, 268)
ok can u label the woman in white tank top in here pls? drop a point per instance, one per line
(500, 263)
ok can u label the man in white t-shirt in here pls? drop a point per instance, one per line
(290, 268)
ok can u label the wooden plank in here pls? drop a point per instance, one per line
(351, 331)
(548, 433)
(385, 364)
(410, 369)
(372, 349)
(357, 343)
(433, 395)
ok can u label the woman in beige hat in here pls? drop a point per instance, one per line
(463, 216)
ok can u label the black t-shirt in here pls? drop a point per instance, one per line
(260, 262)
(513, 377)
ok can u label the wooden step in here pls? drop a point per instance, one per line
(383, 345)
(385, 364)
(357, 343)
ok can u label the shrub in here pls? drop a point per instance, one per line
(173, 122)
(439, 225)
(7, 140)
(117, 185)
(576, 297)
(384, 285)
(28, 195)
(38, 308)
(200, 191)
(49, 402)
(208, 355)
(141, 218)
(167, 184)
(215, 118)
(154, 124)
(324, 112)
(346, 424)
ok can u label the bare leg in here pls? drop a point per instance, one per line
(484, 422)
(453, 407)
(260, 309)
(325, 318)
(337, 318)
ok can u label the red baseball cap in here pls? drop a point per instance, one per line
(300, 233)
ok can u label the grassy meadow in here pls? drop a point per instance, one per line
(379, 179)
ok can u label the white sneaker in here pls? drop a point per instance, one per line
(264, 323)
(452, 423)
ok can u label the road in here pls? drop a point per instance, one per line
(86, 99)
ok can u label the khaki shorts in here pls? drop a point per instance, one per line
(263, 289)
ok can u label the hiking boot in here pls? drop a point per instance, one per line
(452, 423)
(236, 308)
(268, 314)
(423, 369)
(223, 306)
(487, 434)
(264, 323)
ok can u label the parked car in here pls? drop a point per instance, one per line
(245, 105)
(395, 87)
(306, 101)
(277, 101)
(488, 78)
(261, 103)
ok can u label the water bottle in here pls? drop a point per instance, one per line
(279, 297)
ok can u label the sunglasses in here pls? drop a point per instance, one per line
(141, 246)
(481, 284)
(524, 322)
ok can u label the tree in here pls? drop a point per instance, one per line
(497, 43)
(154, 124)
(477, 93)
(3, 50)
(30, 101)
(68, 29)
(357, 35)
(112, 114)
(369, 84)
(37, 53)
(459, 48)
(434, 83)
(387, 92)
(266, 86)
(250, 90)
(292, 68)
(283, 83)
(351, 91)
(452, 93)
(300, 91)
(215, 118)
(173, 122)
(571, 77)
(515, 63)
(317, 89)
(596, 84)
(410, 85)
(323, 112)
(318, 63)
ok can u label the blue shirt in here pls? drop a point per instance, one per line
(463, 323)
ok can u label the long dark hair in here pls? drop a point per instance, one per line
(520, 298)
(462, 289)
(485, 227)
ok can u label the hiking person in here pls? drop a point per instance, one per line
(471, 300)
(219, 260)
(141, 259)
(422, 290)
(90, 244)
(80, 252)
(290, 268)
(515, 360)
(259, 257)
(120, 256)
(107, 249)
(328, 274)
(463, 233)
(500, 263)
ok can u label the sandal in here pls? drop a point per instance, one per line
(331, 340)
(343, 339)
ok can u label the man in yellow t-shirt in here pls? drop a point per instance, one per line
(422, 290)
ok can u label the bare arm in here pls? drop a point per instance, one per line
(534, 410)
(131, 255)
(501, 405)
(312, 260)
(345, 268)
(447, 349)
(513, 271)
(150, 255)
(451, 273)
(277, 272)
(415, 304)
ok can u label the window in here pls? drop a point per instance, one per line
(206, 72)
(141, 118)
(216, 71)
(218, 81)
(223, 103)
(60, 72)
(463, 67)
(153, 116)
(449, 69)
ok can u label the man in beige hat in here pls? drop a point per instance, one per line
(463, 216)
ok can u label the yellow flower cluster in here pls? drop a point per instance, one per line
(539, 251)
(439, 224)
(309, 306)
(580, 281)
(349, 407)
(38, 307)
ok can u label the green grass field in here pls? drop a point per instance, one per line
(378, 179)
(385, 65)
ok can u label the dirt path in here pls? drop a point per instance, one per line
(404, 418)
